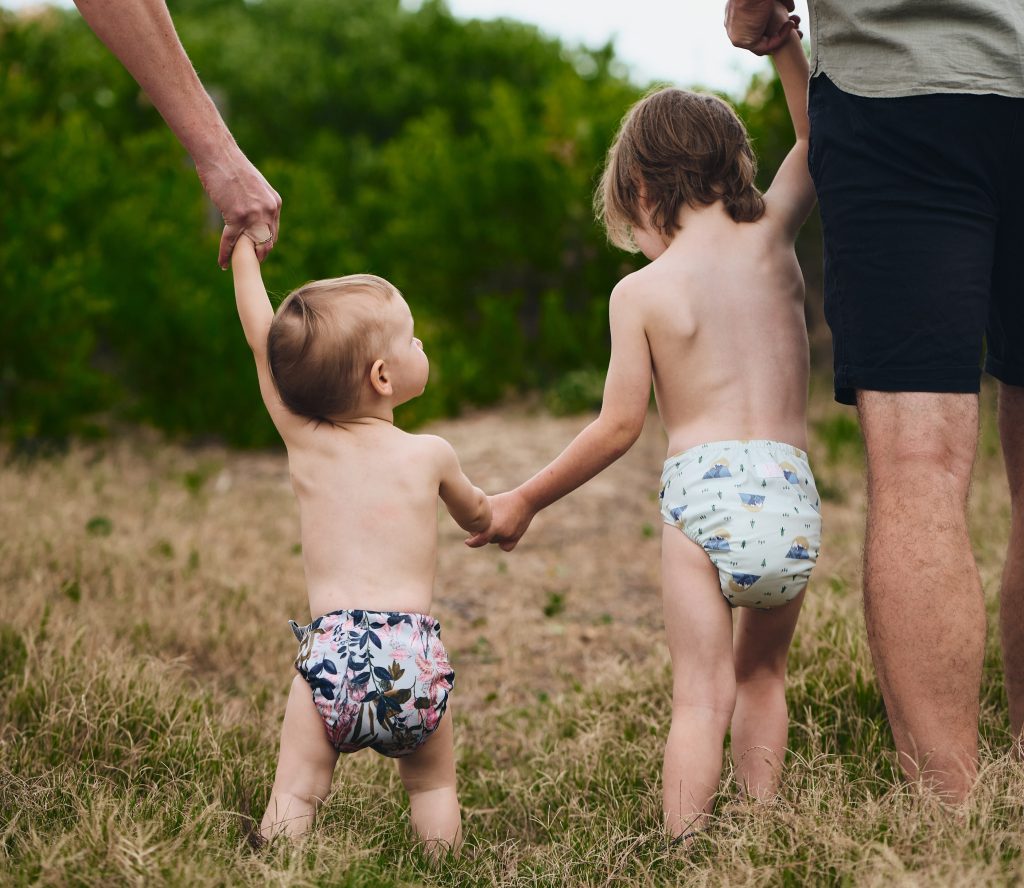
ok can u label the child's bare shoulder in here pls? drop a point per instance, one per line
(435, 452)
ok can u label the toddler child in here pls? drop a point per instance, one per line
(717, 321)
(333, 363)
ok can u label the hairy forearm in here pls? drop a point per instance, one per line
(592, 451)
(141, 34)
(791, 63)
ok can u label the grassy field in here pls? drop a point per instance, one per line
(145, 658)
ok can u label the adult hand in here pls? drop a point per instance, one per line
(245, 200)
(510, 517)
(752, 25)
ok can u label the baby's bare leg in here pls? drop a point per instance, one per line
(760, 724)
(429, 777)
(698, 625)
(305, 767)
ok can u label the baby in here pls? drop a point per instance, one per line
(333, 364)
(716, 320)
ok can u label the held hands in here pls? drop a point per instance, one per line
(510, 517)
(761, 26)
(245, 200)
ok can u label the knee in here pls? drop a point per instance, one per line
(911, 437)
(713, 699)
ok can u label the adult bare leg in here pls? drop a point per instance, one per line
(922, 594)
(1011, 596)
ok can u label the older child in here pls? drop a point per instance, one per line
(716, 319)
(333, 363)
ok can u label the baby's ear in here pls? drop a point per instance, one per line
(380, 379)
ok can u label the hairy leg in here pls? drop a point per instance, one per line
(760, 723)
(698, 624)
(922, 594)
(429, 777)
(1011, 599)
(305, 767)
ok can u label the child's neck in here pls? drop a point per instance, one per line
(699, 221)
(368, 416)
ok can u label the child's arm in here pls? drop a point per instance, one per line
(467, 504)
(256, 315)
(791, 197)
(627, 392)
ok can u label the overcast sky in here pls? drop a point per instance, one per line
(680, 41)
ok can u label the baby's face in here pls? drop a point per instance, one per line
(407, 360)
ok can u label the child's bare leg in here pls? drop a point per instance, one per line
(305, 767)
(698, 623)
(760, 724)
(429, 777)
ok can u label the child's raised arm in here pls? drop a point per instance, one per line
(791, 197)
(256, 315)
(627, 392)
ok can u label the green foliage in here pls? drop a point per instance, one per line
(456, 158)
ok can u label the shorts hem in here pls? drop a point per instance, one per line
(1007, 373)
(849, 382)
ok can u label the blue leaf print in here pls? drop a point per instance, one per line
(330, 667)
(382, 673)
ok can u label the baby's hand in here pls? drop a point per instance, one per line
(510, 517)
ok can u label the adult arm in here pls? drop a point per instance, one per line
(141, 34)
(627, 393)
(749, 24)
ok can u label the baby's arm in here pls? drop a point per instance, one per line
(791, 197)
(467, 504)
(256, 315)
(627, 392)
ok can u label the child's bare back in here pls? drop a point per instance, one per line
(367, 491)
(723, 313)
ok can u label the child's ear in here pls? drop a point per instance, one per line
(380, 379)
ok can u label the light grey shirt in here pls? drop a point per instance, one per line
(884, 48)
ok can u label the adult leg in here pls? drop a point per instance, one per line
(429, 778)
(760, 723)
(922, 594)
(698, 624)
(305, 767)
(1011, 599)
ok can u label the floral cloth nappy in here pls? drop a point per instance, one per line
(379, 678)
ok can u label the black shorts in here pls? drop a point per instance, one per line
(922, 207)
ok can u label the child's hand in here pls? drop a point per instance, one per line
(510, 517)
(781, 23)
(246, 245)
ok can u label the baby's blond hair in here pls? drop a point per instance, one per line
(323, 340)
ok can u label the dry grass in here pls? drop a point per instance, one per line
(144, 660)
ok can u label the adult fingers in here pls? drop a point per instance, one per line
(228, 238)
(478, 540)
(274, 222)
(508, 545)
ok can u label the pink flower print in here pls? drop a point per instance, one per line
(356, 692)
(399, 651)
(430, 718)
(340, 730)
